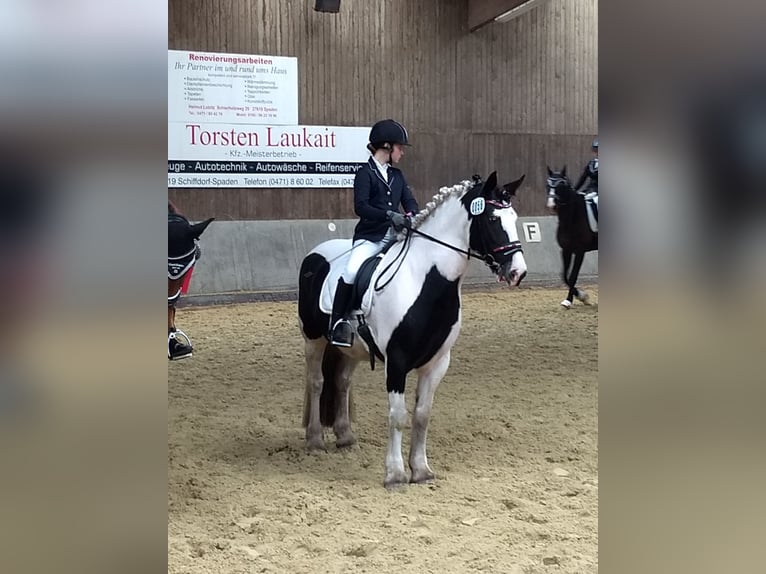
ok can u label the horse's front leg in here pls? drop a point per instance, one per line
(314, 351)
(397, 419)
(566, 257)
(429, 378)
(342, 426)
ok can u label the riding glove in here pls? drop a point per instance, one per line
(398, 221)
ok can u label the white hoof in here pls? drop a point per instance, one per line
(583, 297)
(566, 303)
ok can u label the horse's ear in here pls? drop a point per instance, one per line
(490, 184)
(550, 173)
(511, 187)
(198, 228)
(564, 170)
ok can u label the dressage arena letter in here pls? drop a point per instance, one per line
(532, 231)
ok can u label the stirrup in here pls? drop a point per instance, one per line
(173, 336)
(342, 342)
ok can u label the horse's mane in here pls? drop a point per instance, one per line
(441, 196)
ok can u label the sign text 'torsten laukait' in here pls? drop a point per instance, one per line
(274, 137)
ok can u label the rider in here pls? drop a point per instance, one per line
(590, 178)
(379, 189)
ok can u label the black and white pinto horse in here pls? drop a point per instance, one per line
(574, 233)
(183, 253)
(408, 314)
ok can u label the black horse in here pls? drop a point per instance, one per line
(183, 253)
(574, 234)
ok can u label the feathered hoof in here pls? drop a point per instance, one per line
(396, 479)
(345, 440)
(315, 444)
(583, 297)
(422, 477)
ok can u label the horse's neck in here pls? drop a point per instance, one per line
(448, 223)
(569, 205)
(573, 211)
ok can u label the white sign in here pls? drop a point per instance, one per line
(232, 88)
(235, 155)
(531, 231)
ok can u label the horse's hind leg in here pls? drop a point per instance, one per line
(344, 403)
(428, 380)
(573, 290)
(314, 351)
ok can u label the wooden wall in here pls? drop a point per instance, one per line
(511, 96)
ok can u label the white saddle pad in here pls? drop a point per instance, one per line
(590, 199)
(338, 252)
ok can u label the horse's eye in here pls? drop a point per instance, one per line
(493, 218)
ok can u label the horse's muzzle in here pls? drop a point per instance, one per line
(514, 278)
(514, 274)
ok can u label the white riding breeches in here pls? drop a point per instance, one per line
(362, 250)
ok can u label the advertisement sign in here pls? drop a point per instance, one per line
(235, 155)
(232, 88)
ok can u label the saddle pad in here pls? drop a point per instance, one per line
(177, 266)
(338, 252)
(589, 204)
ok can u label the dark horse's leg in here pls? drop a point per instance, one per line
(566, 257)
(573, 291)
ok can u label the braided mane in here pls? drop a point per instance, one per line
(441, 196)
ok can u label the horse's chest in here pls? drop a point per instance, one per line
(431, 322)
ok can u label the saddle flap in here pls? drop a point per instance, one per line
(338, 258)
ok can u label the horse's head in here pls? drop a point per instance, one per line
(182, 235)
(559, 187)
(493, 227)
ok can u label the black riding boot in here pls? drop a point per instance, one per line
(341, 333)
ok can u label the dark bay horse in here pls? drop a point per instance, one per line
(574, 234)
(183, 253)
(408, 314)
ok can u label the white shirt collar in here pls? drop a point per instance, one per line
(382, 167)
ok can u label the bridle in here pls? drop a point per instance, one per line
(489, 258)
(553, 182)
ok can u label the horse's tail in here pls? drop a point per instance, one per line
(329, 397)
(328, 400)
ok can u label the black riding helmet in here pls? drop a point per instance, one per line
(594, 145)
(388, 132)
